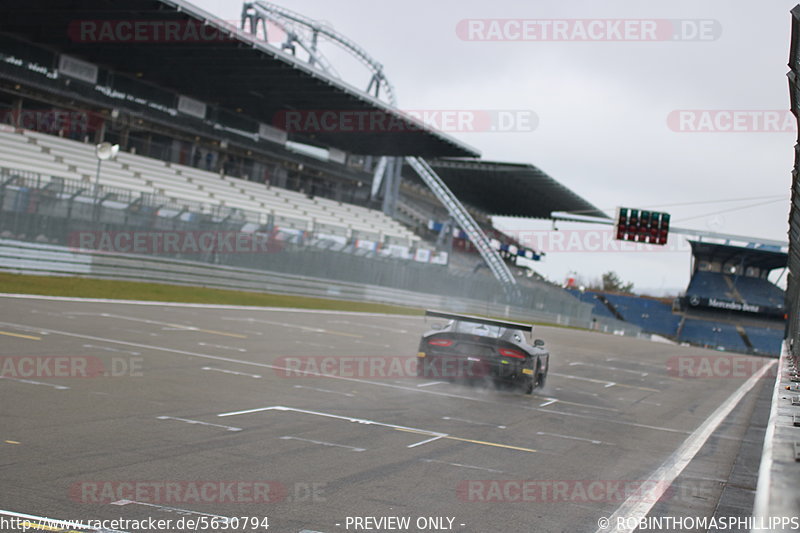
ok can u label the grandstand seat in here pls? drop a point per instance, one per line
(709, 285)
(184, 185)
(590, 297)
(712, 334)
(651, 315)
(759, 291)
(765, 340)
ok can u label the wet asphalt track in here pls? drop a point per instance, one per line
(329, 448)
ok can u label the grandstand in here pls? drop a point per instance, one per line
(201, 148)
(729, 304)
(652, 315)
(55, 157)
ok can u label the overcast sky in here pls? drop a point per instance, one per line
(602, 110)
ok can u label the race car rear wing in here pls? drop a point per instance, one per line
(480, 320)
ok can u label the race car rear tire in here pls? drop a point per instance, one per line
(528, 385)
(541, 377)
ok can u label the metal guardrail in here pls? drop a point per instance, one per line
(47, 259)
(777, 492)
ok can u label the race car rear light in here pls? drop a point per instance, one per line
(511, 353)
(440, 342)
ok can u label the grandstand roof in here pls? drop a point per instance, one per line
(237, 71)
(764, 258)
(510, 189)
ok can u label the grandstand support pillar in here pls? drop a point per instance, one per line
(444, 241)
(100, 134)
(391, 185)
(16, 112)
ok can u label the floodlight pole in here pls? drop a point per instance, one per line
(102, 151)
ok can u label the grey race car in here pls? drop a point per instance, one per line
(469, 348)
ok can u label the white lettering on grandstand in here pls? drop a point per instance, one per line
(733, 306)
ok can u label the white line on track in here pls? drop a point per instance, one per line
(429, 383)
(31, 330)
(166, 508)
(325, 390)
(615, 368)
(205, 306)
(310, 329)
(570, 437)
(199, 422)
(472, 422)
(635, 507)
(640, 363)
(31, 382)
(460, 465)
(222, 347)
(323, 443)
(367, 422)
(575, 391)
(314, 344)
(451, 395)
(150, 333)
(370, 326)
(109, 349)
(548, 402)
(337, 417)
(369, 343)
(234, 372)
(426, 441)
(604, 382)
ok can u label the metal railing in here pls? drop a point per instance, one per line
(38, 209)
